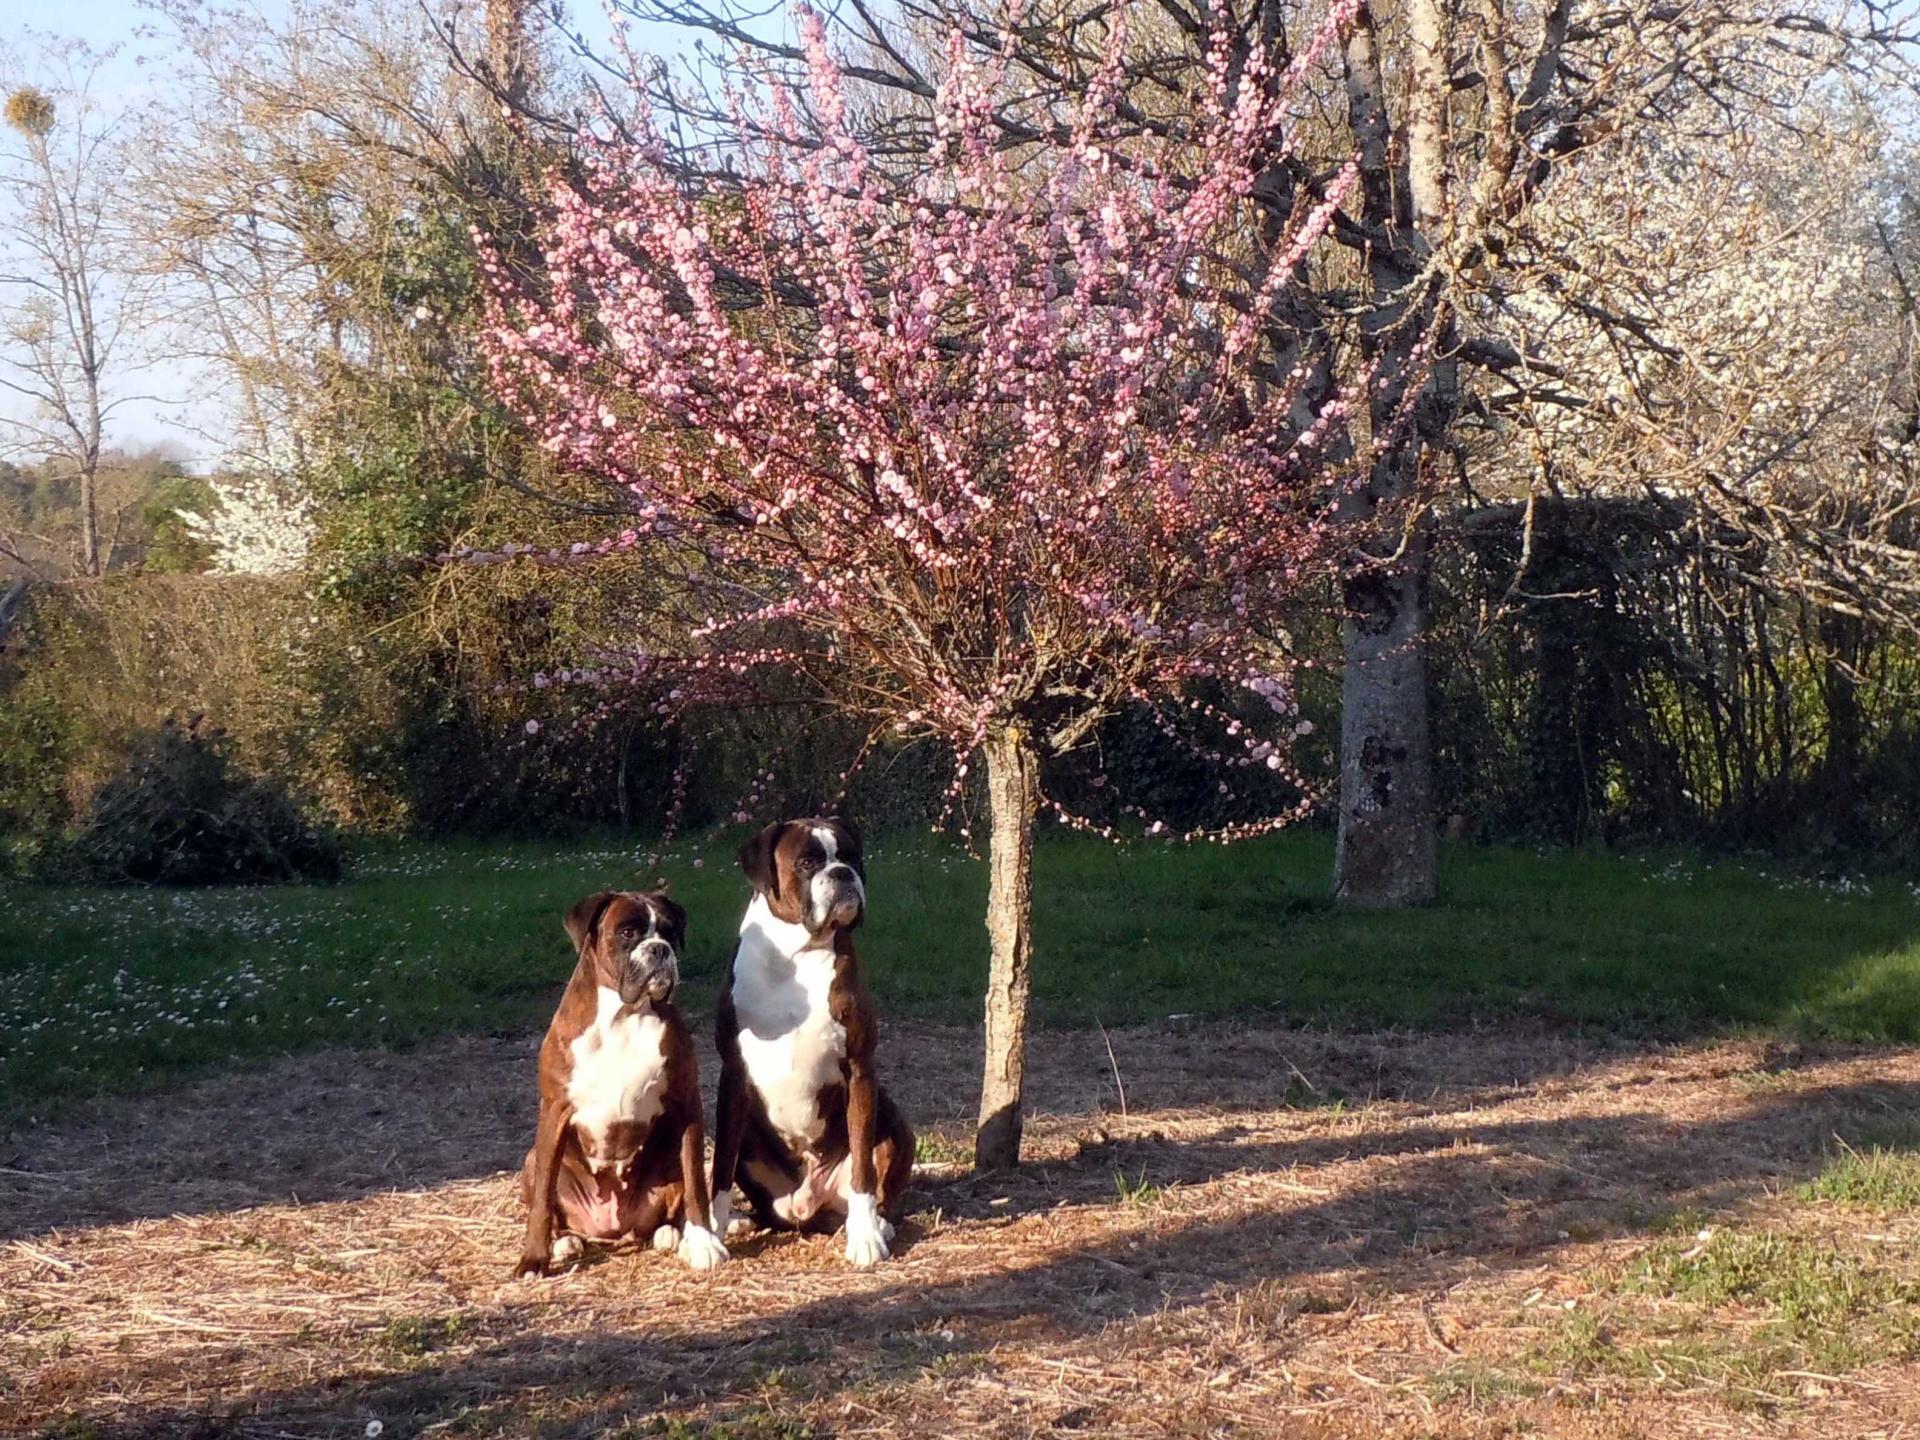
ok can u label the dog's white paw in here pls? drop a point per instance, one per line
(738, 1226)
(566, 1250)
(701, 1248)
(868, 1236)
(665, 1238)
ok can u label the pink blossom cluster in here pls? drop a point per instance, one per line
(986, 442)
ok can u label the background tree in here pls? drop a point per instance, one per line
(70, 305)
(1732, 392)
(314, 177)
(1732, 328)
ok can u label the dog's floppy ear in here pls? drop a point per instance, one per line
(757, 863)
(676, 914)
(583, 917)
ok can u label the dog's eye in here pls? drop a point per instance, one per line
(629, 932)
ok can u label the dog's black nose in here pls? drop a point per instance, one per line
(838, 871)
(653, 953)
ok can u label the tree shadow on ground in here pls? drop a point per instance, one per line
(1442, 1202)
(342, 1125)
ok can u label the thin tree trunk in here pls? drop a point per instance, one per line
(1840, 653)
(89, 523)
(1013, 792)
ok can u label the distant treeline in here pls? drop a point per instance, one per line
(1600, 675)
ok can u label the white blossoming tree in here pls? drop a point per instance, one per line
(1727, 324)
(259, 526)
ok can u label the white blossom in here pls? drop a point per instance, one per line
(258, 526)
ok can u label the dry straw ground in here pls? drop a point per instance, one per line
(1489, 1234)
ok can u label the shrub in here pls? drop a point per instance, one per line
(181, 812)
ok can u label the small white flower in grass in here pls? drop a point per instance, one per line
(374, 1427)
(533, 727)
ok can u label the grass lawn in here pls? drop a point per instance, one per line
(108, 990)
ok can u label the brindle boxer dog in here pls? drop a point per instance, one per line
(620, 1149)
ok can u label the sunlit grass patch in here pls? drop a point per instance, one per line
(1816, 1306)
(1879, 1177)
(1810, 1283)
(1749, 1315)
(766, 1426)
(1683, 1220)
(1477, 1386)
(1137, 1191)
(1690, 1352)
(933, 1148)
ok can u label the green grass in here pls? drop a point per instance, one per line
(1809, 1306)
(1810, 1284)
(411, 1336)
(751, 1427)
(105, 990)
(1136, 1192)
(1872, 1175)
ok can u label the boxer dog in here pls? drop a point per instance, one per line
(619, 1149)
(803, 1127)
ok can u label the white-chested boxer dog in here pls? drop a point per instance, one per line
(803, 1127)
(620, 1149)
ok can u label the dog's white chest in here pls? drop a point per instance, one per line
(789, 1041)
(619, 1068)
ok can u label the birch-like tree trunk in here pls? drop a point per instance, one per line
(1013, 793)
(55, 341)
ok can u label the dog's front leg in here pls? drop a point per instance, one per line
(536, 1251)
(869, 1235)
(700, 1246)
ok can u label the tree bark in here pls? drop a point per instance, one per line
(1387, 850)
(1840, 654)
(507, 46)
(1013, 792)
(90, 524)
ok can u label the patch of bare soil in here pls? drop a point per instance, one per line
(1281, 1233)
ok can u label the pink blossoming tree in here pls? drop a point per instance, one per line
(985, 455)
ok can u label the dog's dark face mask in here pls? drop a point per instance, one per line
(634, 940)
(811, 873)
